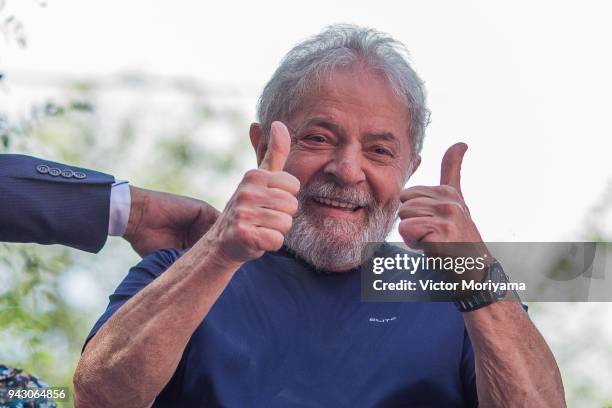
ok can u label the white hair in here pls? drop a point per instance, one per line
(344, 45)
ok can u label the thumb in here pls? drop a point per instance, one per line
(278, 148)
(450, 174)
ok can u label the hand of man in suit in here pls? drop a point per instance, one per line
(161, 220)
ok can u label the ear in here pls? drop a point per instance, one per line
(414, 165)
(258, 141)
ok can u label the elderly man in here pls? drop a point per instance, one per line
(265, 310)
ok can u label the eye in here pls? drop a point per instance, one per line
(383, 151)
(316, 138)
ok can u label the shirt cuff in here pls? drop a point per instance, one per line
(120, 203)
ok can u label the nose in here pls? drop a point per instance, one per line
(346, 166)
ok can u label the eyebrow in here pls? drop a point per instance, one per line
(326, 123)
(387, 136)
(323, 122)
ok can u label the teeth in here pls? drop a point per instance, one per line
(335, 203)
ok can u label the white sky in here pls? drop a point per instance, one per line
(526, 84)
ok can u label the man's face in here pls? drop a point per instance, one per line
(351, 152)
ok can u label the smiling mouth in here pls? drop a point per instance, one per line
(340, 205)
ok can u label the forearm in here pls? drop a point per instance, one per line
(136, 352)
(514, 366)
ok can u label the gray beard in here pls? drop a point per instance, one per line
(335, 245)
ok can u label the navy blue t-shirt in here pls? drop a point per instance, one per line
(283, 335)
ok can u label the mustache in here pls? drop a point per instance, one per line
(332, 191)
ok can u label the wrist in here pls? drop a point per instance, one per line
(494, 289)
(138, 204)
(206, 266)
(213, 252)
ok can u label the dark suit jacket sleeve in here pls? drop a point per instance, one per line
(51, 203)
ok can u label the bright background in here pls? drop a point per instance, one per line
(526, 84)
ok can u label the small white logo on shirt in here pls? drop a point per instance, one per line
(383, 320)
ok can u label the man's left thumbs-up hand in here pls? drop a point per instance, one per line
(438, 214)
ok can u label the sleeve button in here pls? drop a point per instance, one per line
(67, 173)
(80, 175)
(54, 171)
(42, 168)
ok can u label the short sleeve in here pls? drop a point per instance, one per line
(145, 272)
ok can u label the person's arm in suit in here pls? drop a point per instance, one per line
(52, 203)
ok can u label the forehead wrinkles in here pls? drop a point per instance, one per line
(360, 86)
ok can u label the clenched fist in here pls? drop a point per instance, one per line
(259, 213)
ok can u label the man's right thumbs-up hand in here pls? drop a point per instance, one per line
(259, 213)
